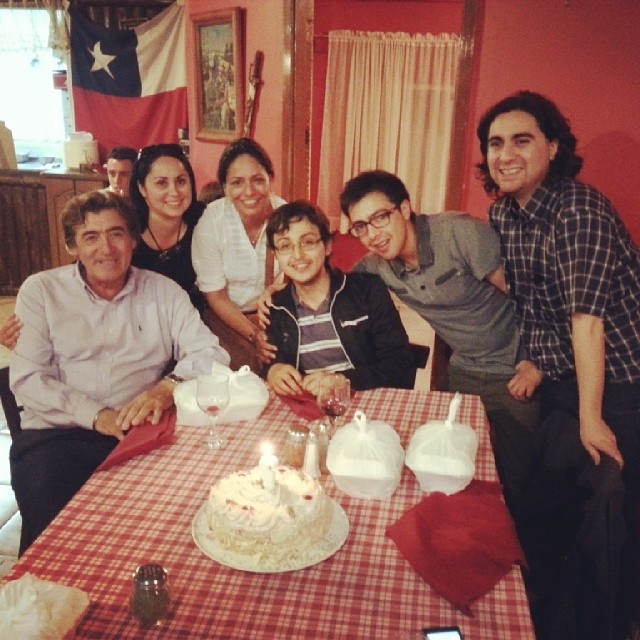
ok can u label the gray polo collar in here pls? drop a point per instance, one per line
(423, 239)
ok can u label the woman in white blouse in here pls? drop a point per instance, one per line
(229, 251)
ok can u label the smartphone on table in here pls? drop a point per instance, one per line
(442, 633)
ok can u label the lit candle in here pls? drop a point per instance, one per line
(268, 458)
(267, 461)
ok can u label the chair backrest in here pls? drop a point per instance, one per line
(9, 404)
(420, 354)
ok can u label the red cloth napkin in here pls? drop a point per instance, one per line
(304, 406)
(461, 544)
(142, 439)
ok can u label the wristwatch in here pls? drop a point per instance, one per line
(172, 377)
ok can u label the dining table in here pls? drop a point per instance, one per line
(142, 511)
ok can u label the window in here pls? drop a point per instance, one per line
(36, 112)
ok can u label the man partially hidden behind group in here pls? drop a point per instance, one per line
(98, 336)
(574, 275)
(119, 167)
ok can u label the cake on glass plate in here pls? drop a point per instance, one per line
(279, 513)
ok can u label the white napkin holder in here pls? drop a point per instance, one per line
(442, 453)
(248, 396)
(365, 458)
(35, 609)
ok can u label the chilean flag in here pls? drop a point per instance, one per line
(129, 86)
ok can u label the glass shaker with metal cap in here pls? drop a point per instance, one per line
(295, 445)
(150, 597)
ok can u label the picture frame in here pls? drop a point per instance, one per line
(219, 74)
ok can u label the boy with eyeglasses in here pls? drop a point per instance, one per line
(324, 321)
(447, 268)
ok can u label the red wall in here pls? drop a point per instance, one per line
(418, 16)
(585, 56)
(263, 31)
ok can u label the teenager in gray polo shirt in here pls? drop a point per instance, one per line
(447, 268)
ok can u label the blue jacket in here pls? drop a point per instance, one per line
(368, 326)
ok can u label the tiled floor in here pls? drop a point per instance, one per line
(9, 516)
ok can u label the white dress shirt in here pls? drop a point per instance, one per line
(78, 353)
(223, 257)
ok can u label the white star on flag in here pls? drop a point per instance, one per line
(101, 60)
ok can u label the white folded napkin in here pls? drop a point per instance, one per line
(35, 609)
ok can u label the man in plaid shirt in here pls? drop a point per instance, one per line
(573, 272)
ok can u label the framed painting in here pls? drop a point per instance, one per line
(218, 74)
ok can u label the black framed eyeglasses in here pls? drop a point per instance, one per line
(377, 221)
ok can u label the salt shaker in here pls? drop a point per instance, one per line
(311, 462)
(323, 445)
(295, 445)
(150, 597)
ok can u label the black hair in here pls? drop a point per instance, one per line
(122, 153)
(552, 123)
(239, 147)
(376, 181)
(142, 167)
(280, 220)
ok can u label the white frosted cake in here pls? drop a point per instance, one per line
(247, 517)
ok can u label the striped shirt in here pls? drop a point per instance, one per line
(566, 252)
(320, 346)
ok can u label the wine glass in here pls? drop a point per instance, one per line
(212, 396)
(334, 397)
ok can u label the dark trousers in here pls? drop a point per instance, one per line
(574, 517)
(48, 467)
(513, 425)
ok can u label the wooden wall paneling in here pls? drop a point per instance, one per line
(24, 230)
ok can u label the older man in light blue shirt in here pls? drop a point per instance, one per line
(97, 337)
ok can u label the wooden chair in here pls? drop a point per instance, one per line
(9, 404)
(420, 354)
(439, 364)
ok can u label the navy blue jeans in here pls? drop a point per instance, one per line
(48, 467)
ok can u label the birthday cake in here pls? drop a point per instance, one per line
(278, 516)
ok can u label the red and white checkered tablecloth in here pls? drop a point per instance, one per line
(142, 512)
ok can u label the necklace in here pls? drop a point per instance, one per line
(166, 254)
(256, 237)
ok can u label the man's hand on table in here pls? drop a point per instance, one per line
(147, 405)
(285, 380)
(106, 423)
